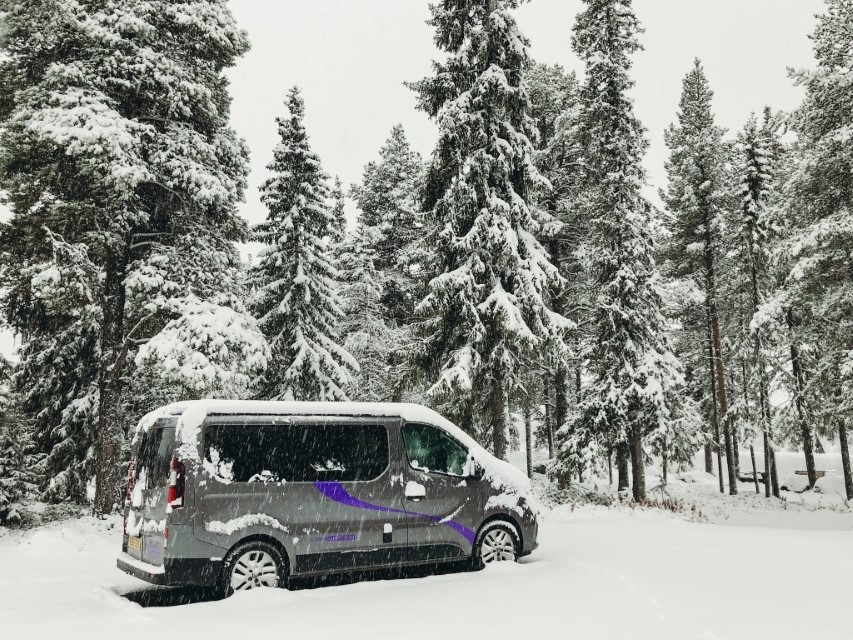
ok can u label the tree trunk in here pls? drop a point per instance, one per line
(709, 459)
(767, 457)
(610, 467)
(754, 470)
(638, 467)
(715, 418)
(664, 463)
(109, 384)
(622, 454)
(397, 396)
(845, 459)
(770, 475)
(528, 437)
(799, 383)
(735, 453)
(774, 474)
(499, 402)
(549, 428)
(716, 345)
(577, 385)
(561, 401)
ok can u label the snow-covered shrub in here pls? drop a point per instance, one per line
(210, 350)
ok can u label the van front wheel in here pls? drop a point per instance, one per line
(497, 542)
(252, 565)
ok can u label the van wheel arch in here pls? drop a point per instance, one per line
(260, 537)
(503, 517)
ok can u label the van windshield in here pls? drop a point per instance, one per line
(155, 452)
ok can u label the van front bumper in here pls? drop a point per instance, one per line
(174, 572)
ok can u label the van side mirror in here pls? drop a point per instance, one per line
(475, 471)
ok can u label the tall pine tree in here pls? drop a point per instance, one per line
(116, 139)
(696, 199)
(296, 300)
(637, 383)
(373, 337)
(756, 163)
(339, 228)
(20, 466)
(388, 202)
(819, 213)
(554, 108)
(485, 308)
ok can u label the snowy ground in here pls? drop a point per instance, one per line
(742, 568)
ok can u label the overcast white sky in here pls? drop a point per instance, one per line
(351, 58)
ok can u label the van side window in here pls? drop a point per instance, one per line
(295, 453)
(430, 449)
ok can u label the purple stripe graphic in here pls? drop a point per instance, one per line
(334, 491)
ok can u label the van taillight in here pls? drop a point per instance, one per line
(129, 486)
(177, 472)
(128, 490)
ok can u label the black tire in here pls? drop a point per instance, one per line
(490, 530)
(265, 577)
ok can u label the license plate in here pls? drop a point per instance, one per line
(135, 544)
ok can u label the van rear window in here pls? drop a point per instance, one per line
(155, 452)
(296, 453)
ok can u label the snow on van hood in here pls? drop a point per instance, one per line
(192, 414)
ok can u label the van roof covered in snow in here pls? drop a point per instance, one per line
(192, 415)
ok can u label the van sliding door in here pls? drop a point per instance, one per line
(321, 486)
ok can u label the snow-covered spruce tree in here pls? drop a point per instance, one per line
(205, 343)
(390, 221)
(388, 201)
(296, 300)
(554, 108)
(756, 160)
(52, 301)
(117, 137)
(637, 383)
(485, 308)
(371, 338)
(695, 199)
(339, 228)
(387, 195)
(553, 92)
(819, 212)
(20, 468)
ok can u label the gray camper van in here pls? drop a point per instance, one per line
(241, 494)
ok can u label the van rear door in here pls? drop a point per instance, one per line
(147, 514)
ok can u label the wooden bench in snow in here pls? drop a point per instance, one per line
(818, 474)
(746, 476)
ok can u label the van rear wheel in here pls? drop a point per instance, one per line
(252, 565)
(497, 541)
